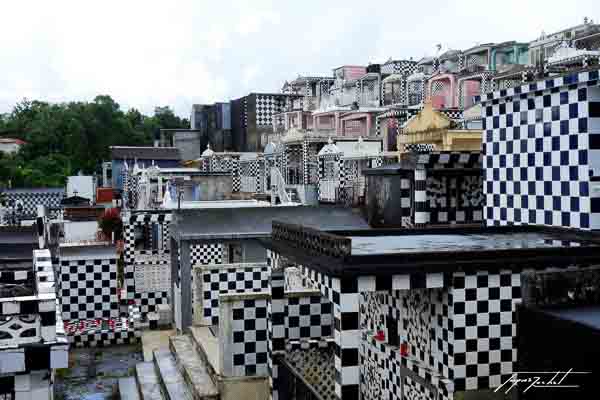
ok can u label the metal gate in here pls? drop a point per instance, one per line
(292, 386)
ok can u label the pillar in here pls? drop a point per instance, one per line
(421, 213)
(181, 285)
(185, 285)
(275, 324)
(347, 337)
(305, 155)
(175, 284)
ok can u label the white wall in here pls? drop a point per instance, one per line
(80, 230)
(9, 147)
(85, 186)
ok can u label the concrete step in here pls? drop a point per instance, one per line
(193, 368)
(148, 381)
(128, 388)
(172, 382)
(207, 347)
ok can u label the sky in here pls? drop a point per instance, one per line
(182, 52)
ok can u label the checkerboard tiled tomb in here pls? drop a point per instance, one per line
(148, 262)
(542, 153)
(441, 198)
(459, 330)
(30, 199)
(104, 332)
(243, 338)
(302, 315)
(227, 279)
(88, 288)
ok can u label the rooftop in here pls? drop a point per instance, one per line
(11, 140)
(399, 251)
(34, 190)
(256, 222)
(87, 250)
(216, 204)
(589, 316)
(569, 78)
(17, 241)
(449, 242)
(144, 153)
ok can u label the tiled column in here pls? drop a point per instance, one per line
(235, 173)
(175, 284)
(405, 202)
(305, 155)
(185, 285)
(284, 163)
(421, 214)
(347, 337)
(275, 321)
(484, 328)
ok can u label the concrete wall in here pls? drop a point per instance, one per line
(188, 144)
(9, 147)
(80, 230)
(253, 252)
(208, 188)
(387, 200)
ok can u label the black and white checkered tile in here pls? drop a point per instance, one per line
(147, 272)
(413, 390)
(239, 279)
(206, 254)
(308, 317)
(330, 176)
(251, 176)
(484, 328)
(249, 330)
(442, 199)
(29, 200)
(266, 107)
(275, 319)
(541, 148)
(460, 328)
(236, 184)
(148, 301)
(401, 67)
(373, 373)
(88, 289)
(419, 147)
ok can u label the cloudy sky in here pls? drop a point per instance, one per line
(180, 52)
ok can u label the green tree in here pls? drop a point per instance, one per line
(65, 138)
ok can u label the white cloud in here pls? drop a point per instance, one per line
(179, 52)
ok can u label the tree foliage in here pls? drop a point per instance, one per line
(65, 138)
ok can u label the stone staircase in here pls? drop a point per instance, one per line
(179, 372)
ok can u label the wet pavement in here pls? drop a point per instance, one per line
(93, 373)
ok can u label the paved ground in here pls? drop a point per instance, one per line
(93, 373)
(155, 340)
